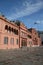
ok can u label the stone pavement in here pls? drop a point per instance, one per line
(24, 56)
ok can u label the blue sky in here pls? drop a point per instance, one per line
(27, 11)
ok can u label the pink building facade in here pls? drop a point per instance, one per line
(35, 37)
(14, 36)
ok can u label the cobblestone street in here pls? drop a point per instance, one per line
(24, 56)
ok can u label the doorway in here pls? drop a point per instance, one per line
(24, 42)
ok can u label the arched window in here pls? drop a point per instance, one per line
(6, 27)
(29, 36)
(12, 30)
(9, 28)
(16, 31)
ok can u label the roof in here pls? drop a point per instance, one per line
(6, 20)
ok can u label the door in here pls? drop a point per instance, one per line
(24, 42)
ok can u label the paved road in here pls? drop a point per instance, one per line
(25, 56)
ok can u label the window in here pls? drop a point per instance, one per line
(6, 27)
(17, 41)
(9, 29)
(23, 34)
(15, 31)
(12, 41)
(5, 40)
(12, 30)
(29, 36)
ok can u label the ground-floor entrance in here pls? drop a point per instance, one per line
(24, 42)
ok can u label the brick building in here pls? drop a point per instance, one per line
(15, 35)
(35, 37)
